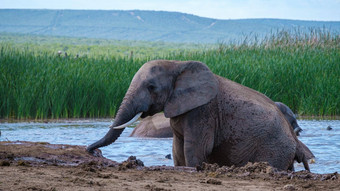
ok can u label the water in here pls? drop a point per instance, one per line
(325, 144)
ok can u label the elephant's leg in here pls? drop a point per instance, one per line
(282, 160)
(193, 157)
(196, 151)
(291, 167)
(198, 134)
(177, 151)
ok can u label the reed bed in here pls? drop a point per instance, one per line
(300, 70)
(47, 86)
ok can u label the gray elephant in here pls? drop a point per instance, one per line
(153, 126)
(213, 119)
(159, 126)
(290, 116)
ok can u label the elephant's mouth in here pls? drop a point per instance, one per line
(144, 115)
(151, 111)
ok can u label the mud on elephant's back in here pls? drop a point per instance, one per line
(45, 153)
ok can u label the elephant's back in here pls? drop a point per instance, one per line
(249, 114)
(156, 126)
(241, 92)
(243, 102)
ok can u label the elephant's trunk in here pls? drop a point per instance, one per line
(126, 113)
(109, 138)
(134, 119)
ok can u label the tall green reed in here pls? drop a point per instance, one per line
(47, 86)
(301, 70)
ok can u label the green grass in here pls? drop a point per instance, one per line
(301, 70)
(47, 86)
(86, 47)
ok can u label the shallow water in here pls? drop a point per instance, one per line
(325, 144)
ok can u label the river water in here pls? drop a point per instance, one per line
(325, 144)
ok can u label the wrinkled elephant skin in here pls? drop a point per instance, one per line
(213, 119)
(158, 126)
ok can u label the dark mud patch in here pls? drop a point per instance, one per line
(264, 171)
(36, 153)
(131, 162)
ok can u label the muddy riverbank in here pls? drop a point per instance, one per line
(153, 151)
(44, 166)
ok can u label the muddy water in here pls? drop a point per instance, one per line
(324, 143)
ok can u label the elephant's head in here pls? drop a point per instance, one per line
(290, 117)
(171, 86)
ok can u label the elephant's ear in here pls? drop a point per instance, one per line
(195, 85)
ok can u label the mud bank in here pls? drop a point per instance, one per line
(44, 166)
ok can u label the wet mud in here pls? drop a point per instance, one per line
(44, 166)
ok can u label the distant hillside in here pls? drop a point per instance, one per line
(144, 25)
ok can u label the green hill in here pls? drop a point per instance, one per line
(145, 25)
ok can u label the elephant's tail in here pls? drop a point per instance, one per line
(303, 154)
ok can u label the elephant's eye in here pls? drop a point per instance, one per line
(151, 88)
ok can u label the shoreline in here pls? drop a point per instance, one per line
(110, 119)
(44, 166)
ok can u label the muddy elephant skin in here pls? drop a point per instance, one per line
(158, 126)
(213, 119)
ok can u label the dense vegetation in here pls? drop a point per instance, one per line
(301, 70)
(88, 47)
(144, 25)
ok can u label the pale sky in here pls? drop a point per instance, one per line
(320, 10)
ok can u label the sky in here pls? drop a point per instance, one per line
(316, 10)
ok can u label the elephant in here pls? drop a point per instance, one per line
(290, 116)
(156, 126)
(213, 119)
(159, 126)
